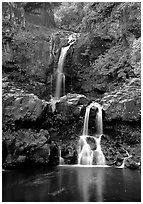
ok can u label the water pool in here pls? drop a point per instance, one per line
(71, 184)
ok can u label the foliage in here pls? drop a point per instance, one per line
(25, 46)
(112, 67)
(107, 19)
(69, 15)
(12, 15)
(113, 19)
(30, 52)
(114, 23)
(121, 24)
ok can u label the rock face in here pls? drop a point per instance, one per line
(66, 124)
(22, 145)
(33, 133)
(136, 56)
(123, 104)
(22, 107)
(71, 105)
(33, 58)
(88, 48)
(25, 147)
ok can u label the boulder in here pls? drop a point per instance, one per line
(71, 105)
(25, 147)
(124, 103)
(23, 107)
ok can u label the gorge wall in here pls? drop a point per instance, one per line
(32, 133)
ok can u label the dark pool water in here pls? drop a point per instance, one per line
(70, 184)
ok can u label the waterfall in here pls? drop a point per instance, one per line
(85, 153)
(60, 73)
(60, 82)
(61, 160)
(64, 84)
(128, 156)
(61, 76)
(85, 126)
(100, 159)
(99, 123)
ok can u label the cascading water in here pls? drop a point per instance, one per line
(86, 120)
(100, 159)
(64, 84)
(61, 160)
(60, 74)
(99, 123)
(85, 153)
(123, 164)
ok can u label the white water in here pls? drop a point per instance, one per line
(100, 159)
(99, 123)
(60, 72)
(60, 78)
(85, 154)
(86, 120)
(60, 82)
(123, 164)
(64, 83)
(61, 160)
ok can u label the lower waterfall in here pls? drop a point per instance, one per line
(85, 154)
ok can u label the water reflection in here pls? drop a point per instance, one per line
(100, 184)
(90, 183)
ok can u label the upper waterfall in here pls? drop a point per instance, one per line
(60, 73)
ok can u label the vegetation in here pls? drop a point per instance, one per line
(26, 25)
(104, 64)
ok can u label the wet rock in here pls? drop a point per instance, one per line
(132, 164)
(71, 105)
(54, 154)
(21, 159)
(69, 152)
